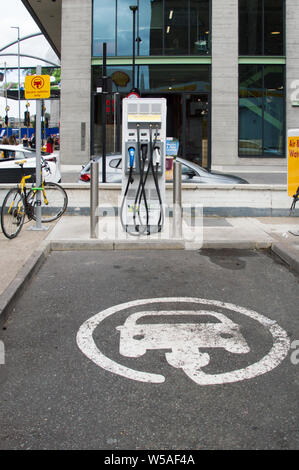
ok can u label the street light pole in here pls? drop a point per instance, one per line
(134, 8)
(6, 104)
(19, 80)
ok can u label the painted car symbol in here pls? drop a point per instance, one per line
(184, 339)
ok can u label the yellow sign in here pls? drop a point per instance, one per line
(37, 87)
(293, 162)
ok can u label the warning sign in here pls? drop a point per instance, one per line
(293, 161)
(37, 87)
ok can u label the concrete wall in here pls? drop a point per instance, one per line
(225, 82)
(75, 79)
(292, 52)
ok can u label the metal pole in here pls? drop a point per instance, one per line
(177, 200)
(19, 90)
(38, 208)
(19, 80)
(104, 115)
(94, 199)
(38, 157)
(6, 109)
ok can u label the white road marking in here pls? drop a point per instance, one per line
(184, 340)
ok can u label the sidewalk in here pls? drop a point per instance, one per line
(22, 257)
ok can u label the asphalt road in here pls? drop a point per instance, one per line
(53, 396)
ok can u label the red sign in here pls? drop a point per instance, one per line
(133, 95)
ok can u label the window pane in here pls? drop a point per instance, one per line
(176, 27)
(172, 78)
(199, 27)
(250, 27)
(103, 27)
(261, 110)
(151, 27)
(273, 110)
(251, 110)
(125, 28)
(274, 27)
(159, 78)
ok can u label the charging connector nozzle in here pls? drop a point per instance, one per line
(157, 156)
(132, 156)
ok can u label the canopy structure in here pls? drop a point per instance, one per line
(47, 16)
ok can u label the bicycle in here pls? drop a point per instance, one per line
(21, 201)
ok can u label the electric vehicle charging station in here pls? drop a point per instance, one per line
(143, 165)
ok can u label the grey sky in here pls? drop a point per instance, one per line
(13, 13)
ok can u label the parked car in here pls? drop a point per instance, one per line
(10, 172)
(113, 169)
(191, 172)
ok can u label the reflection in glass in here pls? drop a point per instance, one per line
(250, 27)
(251, 110)
(104, 26)
(176, 27)
(125, 27)
(261, 27)
(261, 110)
(163, 27)
(199, 27)
(150, 27)
(159, 78)
(273, 110)
(274, 27)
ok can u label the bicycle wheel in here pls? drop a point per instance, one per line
(54, 202)
(12, 213)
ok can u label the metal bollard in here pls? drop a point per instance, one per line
(94, 198)
(177, 200)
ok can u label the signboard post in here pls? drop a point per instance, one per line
(38, 87)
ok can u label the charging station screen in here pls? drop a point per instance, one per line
(144, 117)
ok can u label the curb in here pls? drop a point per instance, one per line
(11, 294)
(287, 254)
(9, 297)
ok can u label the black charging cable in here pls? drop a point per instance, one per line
(141, 191)
(155, 170)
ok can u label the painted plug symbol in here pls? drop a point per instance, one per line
(132, 156)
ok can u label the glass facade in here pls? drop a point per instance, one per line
(183, 28)
(163, 27)
(159, 78)
(261, 111)
(104, 27)
(261, 27)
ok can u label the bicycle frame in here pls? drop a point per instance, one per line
(22, 188)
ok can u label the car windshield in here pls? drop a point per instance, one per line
(187, 167)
